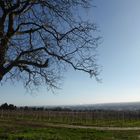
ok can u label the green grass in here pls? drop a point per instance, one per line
(67, 134)
(29, 130)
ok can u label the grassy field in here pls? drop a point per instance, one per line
(32, 130)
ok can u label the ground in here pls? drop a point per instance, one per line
(19, 129)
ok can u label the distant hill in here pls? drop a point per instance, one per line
(110, 106)
(132, 106)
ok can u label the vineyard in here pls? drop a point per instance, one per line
(91, 118)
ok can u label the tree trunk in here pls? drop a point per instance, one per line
(1, 72)
(3, 43)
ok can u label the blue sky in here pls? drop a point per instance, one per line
(119, 56)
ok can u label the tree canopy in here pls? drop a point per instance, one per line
(39, 39)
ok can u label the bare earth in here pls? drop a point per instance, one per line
(93, 127)
(36, 124)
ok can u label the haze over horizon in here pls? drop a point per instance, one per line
(118, 54)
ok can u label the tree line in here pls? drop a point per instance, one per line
(6, 106)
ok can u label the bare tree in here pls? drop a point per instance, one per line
(40, 38)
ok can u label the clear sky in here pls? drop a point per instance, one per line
(119, 56)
